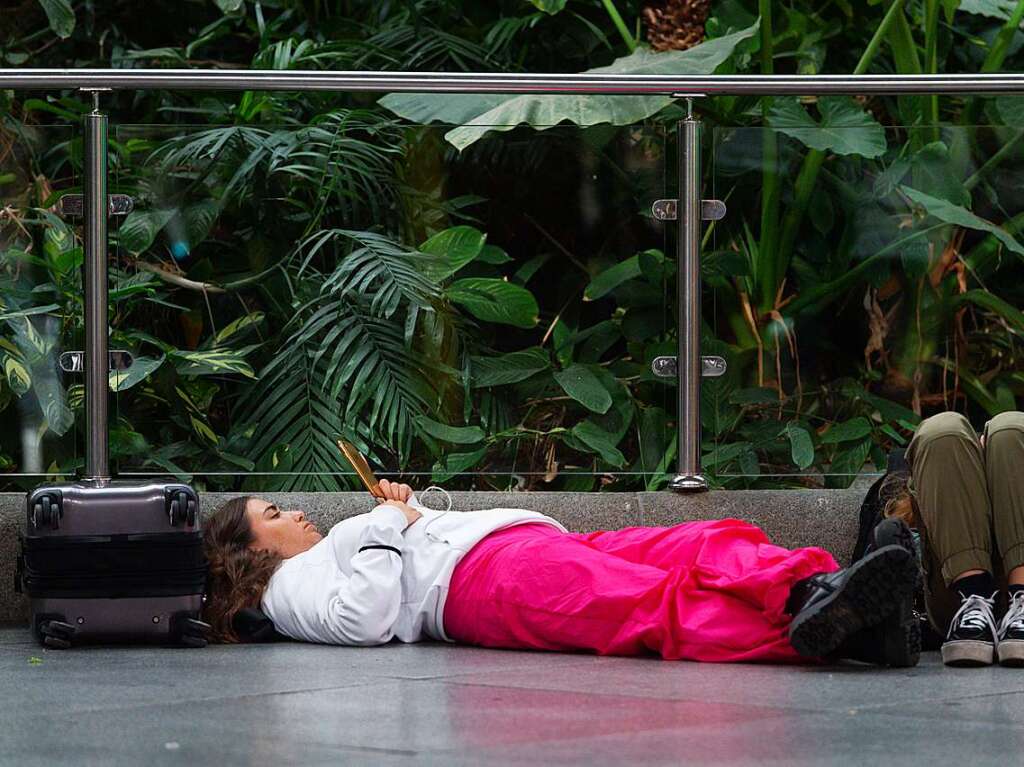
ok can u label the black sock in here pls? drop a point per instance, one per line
(1014, 588)
(979, 584)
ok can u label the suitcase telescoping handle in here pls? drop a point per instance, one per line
(97, 455)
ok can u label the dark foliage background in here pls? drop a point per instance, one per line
(471, 288)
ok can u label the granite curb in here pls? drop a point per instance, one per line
(791, 518)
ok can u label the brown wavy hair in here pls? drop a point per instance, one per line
(237, 575)
(897, 499)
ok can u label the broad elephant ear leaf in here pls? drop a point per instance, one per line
(844, 128)
(480, 114)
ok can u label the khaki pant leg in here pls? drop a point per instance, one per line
(1004, 466)
(950, 487)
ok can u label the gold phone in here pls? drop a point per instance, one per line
(362, 468)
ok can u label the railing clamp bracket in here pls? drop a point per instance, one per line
(74, 362)
(667, 210)
(74, 205)
(667, 367)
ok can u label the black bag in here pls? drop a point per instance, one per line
(114, 561)
(872, 512)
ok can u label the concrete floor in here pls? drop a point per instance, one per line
(446, 705)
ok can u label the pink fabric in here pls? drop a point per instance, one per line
(708, 591)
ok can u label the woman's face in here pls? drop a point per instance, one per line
(285, 533)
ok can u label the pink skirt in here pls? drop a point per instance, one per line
(706, 591)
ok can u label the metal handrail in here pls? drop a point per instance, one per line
(481, 82)
(689, 203)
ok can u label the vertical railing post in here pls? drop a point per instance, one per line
(96, 361)
(688, 362)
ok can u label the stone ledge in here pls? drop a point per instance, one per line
(791, 518)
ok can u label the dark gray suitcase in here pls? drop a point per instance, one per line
(103, 559)
(114, 561)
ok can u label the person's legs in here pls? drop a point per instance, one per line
(1004, 466)
(730, 554)
(949, 482)
(721, 597)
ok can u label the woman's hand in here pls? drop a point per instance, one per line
(396, 495)
(392, 491)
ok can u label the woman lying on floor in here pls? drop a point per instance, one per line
(512, 578)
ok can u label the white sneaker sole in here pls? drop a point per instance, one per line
(967, 652)
(1011, 653)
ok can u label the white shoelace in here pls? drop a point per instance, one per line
(974, 613)
(1014, 618)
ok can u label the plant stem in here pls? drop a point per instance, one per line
(931, 34)
(620, 25)
(807, 178)
(766, 267)
(904, 52)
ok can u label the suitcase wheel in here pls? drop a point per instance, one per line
(57, 634)
(182, 508)
(47, 511)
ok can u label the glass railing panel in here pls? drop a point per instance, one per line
(881, 285)
(481, 316)
(40, 304)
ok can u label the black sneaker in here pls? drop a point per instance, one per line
(896, 641)
(1011, 633)
(839, 605)
(971, 640)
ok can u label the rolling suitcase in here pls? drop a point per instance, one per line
(114, 561)
(107, 560)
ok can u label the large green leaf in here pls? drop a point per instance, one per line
(141, 368)
(460, 435)
(621, 272)
(596, 438)
(855, 428)
(508, 368)
(954, 214)
(844, 127)
(61, 16)
(846, 464)
(494, 300)
(545, 111)
(580, 383)
(456, 463)
(18, 376)
(996, 9)
(801, 446)
(238, 328)
(213, 362)
(454, 247)
(141, 227)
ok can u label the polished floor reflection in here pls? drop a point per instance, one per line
(444, 705)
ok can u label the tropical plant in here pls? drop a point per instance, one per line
(470, 287)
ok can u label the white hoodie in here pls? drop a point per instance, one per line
(371, 578)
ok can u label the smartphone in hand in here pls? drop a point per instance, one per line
(362, 468)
